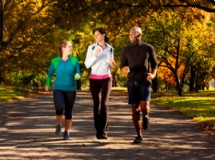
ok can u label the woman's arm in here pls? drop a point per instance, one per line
(77, 71)
(91, 57)
(49, 78)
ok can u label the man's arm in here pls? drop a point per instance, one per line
(152, 75)
(154, 64)
(124, 63)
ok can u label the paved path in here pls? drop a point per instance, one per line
(27, 132)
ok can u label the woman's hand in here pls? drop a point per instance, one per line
(46, 88)
(77, 76)
(112, 62)
(97, 52)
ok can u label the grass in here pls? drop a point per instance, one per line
(9, 93)
(198, 106)
(119, 89)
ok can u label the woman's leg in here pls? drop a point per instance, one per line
(59, 120)
(104, 114)
(69, 103)
(95, 92)
(59, 107)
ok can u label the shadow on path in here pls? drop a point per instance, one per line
(27, 132)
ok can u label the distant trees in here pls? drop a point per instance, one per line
(180, 30)
(29, 38)
(184, 45)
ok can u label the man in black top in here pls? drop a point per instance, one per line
(135, 60)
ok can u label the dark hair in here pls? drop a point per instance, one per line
(62, 44)
(102, 31)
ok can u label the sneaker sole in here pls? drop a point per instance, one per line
(137, 141)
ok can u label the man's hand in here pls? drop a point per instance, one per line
(125, 70)
(150, 76)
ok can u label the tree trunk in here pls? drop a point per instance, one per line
(114, 80)
(192, 79)
(1, 21)
(180, 91)
(155, 84)
(0, 78)
(197, 83)
(179, 86)
(78, 83)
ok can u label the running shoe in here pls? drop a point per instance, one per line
(58, 130)
(138, 140)
(66, 135)
(101, 136)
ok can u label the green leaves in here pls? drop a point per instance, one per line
(33, 29)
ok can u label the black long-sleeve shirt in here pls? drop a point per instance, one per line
(137, 58)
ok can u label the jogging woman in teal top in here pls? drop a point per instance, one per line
(67, 71)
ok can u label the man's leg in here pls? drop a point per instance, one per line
(145, 108)
(145, 97)
(136, 119)
(137, 122)
(133, 95)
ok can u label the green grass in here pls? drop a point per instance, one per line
(119, 89)
(198, 106)
(8, 93)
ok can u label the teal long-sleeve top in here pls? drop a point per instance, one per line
(65, 73)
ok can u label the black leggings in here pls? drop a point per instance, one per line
(64, 100)
(101, 109)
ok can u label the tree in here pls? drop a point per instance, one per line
(202, 43)
(119, 13)
(119, 16)
(30, 37)
(32, 40)
(177, 38)
(1, 21)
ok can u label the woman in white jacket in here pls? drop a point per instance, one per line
(100, 59)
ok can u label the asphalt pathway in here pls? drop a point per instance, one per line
(27, 133)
